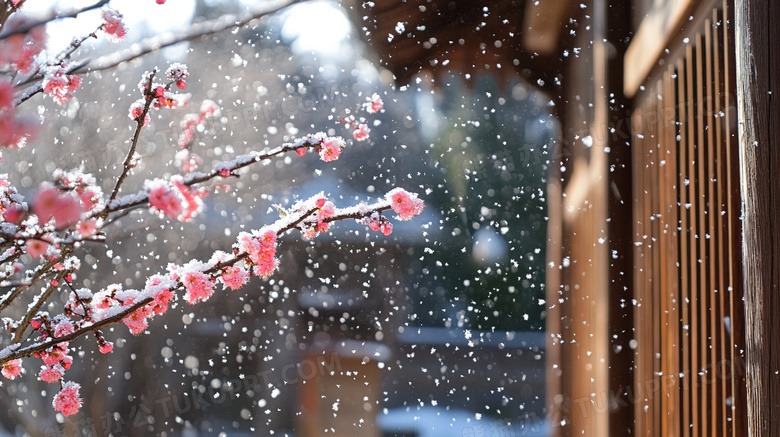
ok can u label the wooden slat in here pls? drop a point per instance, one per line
(702, 302)
(656, 292)
(721, 210)
(684, 214)
(670, 174)
(712, 265)
(692, 240)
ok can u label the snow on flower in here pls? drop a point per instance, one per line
(113, 25)
(62, 328)
(198, 285)
(51, 373)
(137, 109)
(374, 104)
(361, 132)
(60, 86)
(67, 401)
(177, 72)
(56, 354)
(405, 204)
(331, 148)
(234, 277)
(177, 201)
(106, 347)
(386, 228)
(12, 369)
(136, 321)
(209, 108)
(260, 246)
(159, 286)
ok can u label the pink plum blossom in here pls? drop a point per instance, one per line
(234, 277)
(330, 149)
(64, 208)
(162, 300)
(51, 373)
(106, 347)
(261, 248)
(405, 204)
(87, 228)
(67, 401)
(198, 285)
(6, 94)
(12, 369)
(45, 204)
(36, 248)
(166, 200)
(137, 109)
(67, 212)
(374, 104)
(13, 214)
(136, 321)
(60, 86)
(113, 25)
(63, 328)
(361, 132)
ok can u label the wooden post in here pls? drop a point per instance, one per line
(758, 85)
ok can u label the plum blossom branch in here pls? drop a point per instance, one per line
(222, 170)
(40, 274)
(33, 311)
(212, 270)
(128, 164)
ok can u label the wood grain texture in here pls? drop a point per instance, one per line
(757, 66)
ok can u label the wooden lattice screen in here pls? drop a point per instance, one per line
(689, 369)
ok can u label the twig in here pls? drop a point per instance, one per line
(195, 31)
(32, 312)
(198, 178)
(153, 44)
(128, 164)
(58, 16)
(65, 252)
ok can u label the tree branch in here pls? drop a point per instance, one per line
(57, 16)
(195, 31)
(15, 350)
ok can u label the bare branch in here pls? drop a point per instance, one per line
(32, 312)
(128, 164)
(55, 16)
(195, 31)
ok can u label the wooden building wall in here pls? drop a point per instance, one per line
(687, 277)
